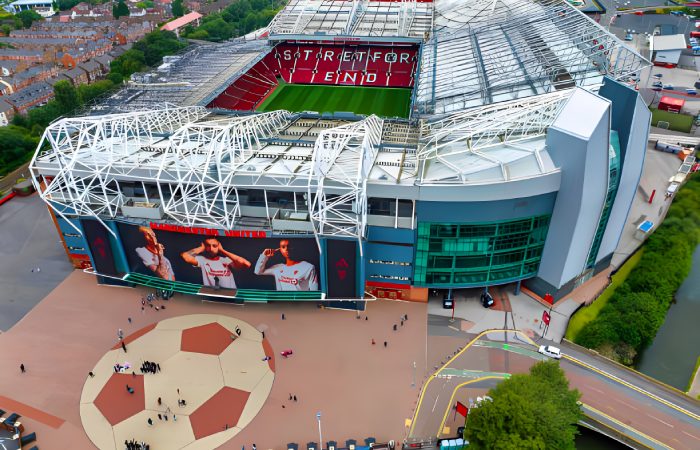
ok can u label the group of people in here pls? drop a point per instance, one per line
(118, 368)
(150, 367)
(133, 445)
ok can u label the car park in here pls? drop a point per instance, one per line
(548, 350)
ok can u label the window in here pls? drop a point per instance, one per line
(475, 254)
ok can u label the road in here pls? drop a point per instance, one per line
(650, 413)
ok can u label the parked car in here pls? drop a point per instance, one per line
(668, 87)
(447, 301)
(548, 350)
(629, 37)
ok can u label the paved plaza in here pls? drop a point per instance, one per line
(361, 389)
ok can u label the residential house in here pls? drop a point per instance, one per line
(35, 95)
(92, 69)
(9, 54)
(77, 76)
(6, 113)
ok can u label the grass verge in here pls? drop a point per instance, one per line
(677, 122)
(692, 376)
(590, 312)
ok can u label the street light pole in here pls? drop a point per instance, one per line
(414, 375)
(320, 436)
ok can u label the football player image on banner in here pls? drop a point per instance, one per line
(152, 255)
(292, 274)
(216, 263)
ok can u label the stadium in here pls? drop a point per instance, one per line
(360, 149)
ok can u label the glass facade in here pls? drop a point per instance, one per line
(613, 183)
(479, 253)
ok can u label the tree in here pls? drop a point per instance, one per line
(178, 9)
(120, 10)
(27, 17)
(66, 96)
(535, 411)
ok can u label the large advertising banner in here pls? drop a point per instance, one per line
(98, 241)
(282, 264)
(341, 268)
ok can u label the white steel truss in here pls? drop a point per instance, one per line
(86, 155)
(342, 159)
(403, 18)
(477, 130)
(195, 177)
(486, 51)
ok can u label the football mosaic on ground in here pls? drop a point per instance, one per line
(224, 379)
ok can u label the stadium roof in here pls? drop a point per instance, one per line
(186, 79)
(354, 18)
(200, 160)
(488, 51)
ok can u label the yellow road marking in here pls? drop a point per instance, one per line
(631, 386)
(627, 427)
(434, 375)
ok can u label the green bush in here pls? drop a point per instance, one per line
(239, 18)
(631, 318)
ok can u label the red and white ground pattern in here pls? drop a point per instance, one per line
(222, 377)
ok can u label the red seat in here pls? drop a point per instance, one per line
(348, 65)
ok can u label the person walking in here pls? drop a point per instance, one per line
(123, 346)
(21, 368)
(150, 422)
(254, 447)
(283, 318)
(92, 375)
(120, 334)
(295, 398)
(385, 344)
(394, 327)
(373, 342)
(129, 319)
(160, 402)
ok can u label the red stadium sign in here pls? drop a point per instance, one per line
(257, 234)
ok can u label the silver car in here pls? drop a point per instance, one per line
(550, 351)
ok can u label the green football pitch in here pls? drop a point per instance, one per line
(384, 102)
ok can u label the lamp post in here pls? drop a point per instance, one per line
(414, 375)
(320, 436)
